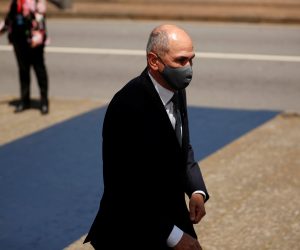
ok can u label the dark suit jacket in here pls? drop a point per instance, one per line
(146, 172)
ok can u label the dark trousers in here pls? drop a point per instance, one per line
(27, 57)
(118, 245)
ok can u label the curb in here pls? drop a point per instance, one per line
(249, 12)
(253, 13)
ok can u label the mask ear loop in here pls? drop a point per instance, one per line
(159, 58)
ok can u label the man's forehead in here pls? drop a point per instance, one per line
(182, 50)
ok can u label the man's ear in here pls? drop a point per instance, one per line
(152, 61)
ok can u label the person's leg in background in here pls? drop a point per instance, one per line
(23, 61)
(38, 63)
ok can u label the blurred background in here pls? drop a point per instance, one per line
(244, 104)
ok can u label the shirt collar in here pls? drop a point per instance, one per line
(164, 94)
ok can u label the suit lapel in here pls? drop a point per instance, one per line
(161, 111)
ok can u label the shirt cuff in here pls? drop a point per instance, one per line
(200, 192)
(174, 237)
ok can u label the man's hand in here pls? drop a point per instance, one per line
(187, 242)
(197, 209)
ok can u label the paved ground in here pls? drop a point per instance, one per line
(16, 126)
(254, 185)
(253, 181)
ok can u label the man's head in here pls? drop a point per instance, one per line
(169, 56)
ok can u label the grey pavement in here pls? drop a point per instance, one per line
(270, 11)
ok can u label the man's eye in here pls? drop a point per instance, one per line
(182, 60)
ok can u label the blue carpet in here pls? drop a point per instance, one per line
(51, 181)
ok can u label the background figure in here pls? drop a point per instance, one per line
(26, 26)
(148, 168)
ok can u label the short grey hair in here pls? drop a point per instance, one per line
(158, 42)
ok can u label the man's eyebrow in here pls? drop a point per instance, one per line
(179, 58)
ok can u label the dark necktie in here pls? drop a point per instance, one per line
(177, 115)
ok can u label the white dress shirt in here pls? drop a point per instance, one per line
(165, 96)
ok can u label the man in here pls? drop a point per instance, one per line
(26, 26)
(148, 167)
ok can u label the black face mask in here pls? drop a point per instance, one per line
(178, 78)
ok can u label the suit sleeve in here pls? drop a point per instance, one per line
(195, 181)
(194, 178)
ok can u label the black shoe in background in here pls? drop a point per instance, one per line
(21, 107)
(44, 109)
